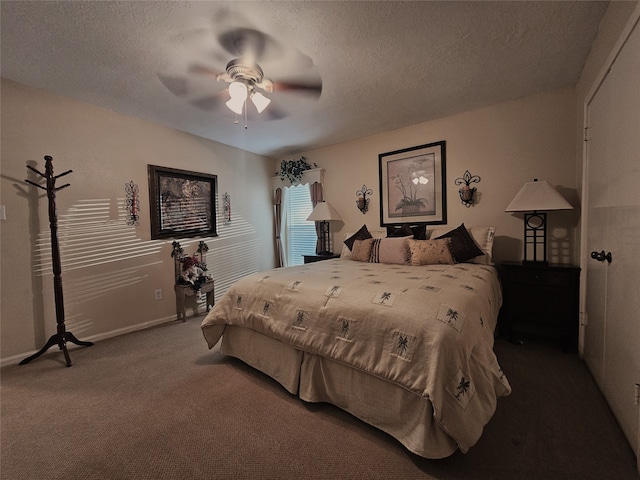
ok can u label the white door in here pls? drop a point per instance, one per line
(612, 335)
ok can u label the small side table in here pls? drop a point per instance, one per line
(184, 291)
(319, 258)
(542, 300)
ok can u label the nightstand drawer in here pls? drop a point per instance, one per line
(541, 277)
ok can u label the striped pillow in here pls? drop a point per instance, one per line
(390, 250)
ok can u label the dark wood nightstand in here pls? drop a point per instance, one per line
(318, 258)
(541, 300)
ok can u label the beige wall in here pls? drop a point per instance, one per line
(105, 150)
(506, 145)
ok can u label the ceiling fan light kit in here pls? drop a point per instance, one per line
(244, 81)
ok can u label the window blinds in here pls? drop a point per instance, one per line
(299, 235)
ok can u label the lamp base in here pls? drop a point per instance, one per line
(535, 238)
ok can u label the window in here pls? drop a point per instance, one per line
(298, 234)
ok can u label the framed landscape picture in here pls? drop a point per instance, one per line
(413, 185)
(182, 203)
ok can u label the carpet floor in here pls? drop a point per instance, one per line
(157, 404)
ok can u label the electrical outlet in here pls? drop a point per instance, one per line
(159, 294)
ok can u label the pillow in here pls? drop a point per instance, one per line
(346, 251)
(463, 247)
(390, 250)
(419, 232)
(361, 251)
(430, 252)
(361, 234)
(483, 236)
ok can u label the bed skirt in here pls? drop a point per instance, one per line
(399, 412)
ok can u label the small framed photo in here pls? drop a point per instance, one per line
(413, 185)
(182, 203)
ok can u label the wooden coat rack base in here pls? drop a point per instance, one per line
(61, 340)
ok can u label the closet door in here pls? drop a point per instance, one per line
(612, 335)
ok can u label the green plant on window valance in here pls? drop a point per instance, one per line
(293, 170)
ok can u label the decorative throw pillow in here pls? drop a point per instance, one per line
(483, 236)
(346, 251)
(361, 250)
(463, 247)
(430, 252)
(361, 234)
(419, 232)
(390, 250)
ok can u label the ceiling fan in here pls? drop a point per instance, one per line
(245, 77)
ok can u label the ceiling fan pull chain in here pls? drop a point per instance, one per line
(245, 115)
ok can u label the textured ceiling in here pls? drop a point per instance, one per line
(383, 65)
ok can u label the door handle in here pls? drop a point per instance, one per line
(601, 257)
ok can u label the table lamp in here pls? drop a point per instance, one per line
(536, 198)
(324, 212)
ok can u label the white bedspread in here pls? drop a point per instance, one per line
(426, 328)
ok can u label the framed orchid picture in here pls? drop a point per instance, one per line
(413, 185)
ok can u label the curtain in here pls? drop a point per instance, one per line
(316, 197)
(277, 212)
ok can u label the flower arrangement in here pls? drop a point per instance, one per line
(192, 268)
(293, 170)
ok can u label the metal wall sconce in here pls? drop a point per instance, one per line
(363, 202)
(226, 207)
(132, 203)
(466, 191)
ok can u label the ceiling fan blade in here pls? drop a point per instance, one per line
(175, 84)
(249, 44)
(209, 103)
(273, 113)
(204, 70)
(313, 88)
(199, 69)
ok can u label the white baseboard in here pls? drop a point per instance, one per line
(15, 359)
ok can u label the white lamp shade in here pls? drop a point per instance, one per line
(324, 211)
(260, 101)
(238, 90)
(235, 105)
(538, 196)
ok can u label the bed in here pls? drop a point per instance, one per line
(405, 347)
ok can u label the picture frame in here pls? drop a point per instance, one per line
(182, 203)
(413, 185)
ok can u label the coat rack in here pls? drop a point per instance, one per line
(62, 336)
